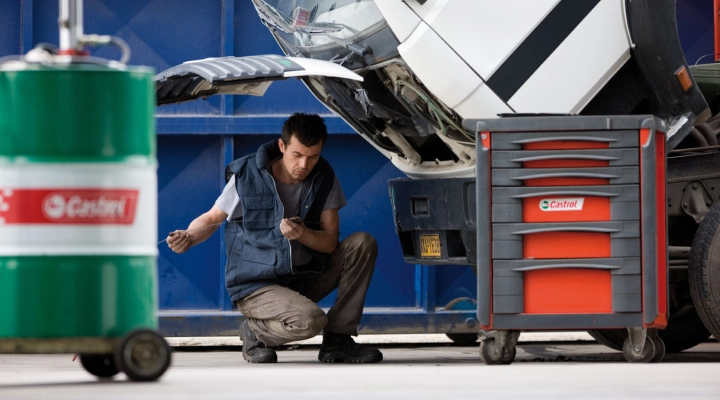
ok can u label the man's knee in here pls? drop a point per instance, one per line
(314, 320)
(362, 241)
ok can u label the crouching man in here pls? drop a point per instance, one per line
(281, 205)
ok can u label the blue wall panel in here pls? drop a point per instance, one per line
(188, 184)
(10, 27)
(452, 282)
(161, 34)
(695, 28)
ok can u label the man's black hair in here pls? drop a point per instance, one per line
(308, 129)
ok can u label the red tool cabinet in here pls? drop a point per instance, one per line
(571, 228)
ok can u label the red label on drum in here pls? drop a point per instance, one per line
(68, 206)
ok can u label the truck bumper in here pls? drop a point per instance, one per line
(435, 220)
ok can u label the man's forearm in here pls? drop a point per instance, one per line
(322, 241)
(200, 229)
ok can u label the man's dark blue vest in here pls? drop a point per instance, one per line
(258, 254)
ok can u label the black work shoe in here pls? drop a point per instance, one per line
(253, 350)
(337, 348)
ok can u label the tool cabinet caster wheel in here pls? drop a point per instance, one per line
(143, 355)
(493, 354)
(647, 354)
(659, 350)
(100, 365)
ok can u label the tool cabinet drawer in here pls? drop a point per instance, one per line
(566, 240)
(565, 176)
(565, 203)
(567, 286)
(556, 140)
(574, 158)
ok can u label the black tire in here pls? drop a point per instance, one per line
(647, 354)
(462, 303)
(659, 350)
(685, 330)
(612, 338)
(493, 355)
(704, 270)
(143, 355)
(100, 365)
(463, 339)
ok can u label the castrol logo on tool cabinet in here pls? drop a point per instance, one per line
(573, 204)
(68, 206)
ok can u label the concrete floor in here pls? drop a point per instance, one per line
(542, 370)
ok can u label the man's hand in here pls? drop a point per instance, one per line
(179, 241)
(292, 228)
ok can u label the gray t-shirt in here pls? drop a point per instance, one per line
(291, 197)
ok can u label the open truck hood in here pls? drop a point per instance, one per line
(250, 75)
(422, 71)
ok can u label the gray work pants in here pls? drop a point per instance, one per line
(280, 314)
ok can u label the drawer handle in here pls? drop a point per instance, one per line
(564, 175)
(565, 193)
(566, 229)
(566, 157)
(568, 138)
(551, 266)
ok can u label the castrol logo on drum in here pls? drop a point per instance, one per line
(68, 206)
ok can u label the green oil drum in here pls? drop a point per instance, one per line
(78, 201)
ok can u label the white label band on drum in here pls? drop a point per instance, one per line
(69, 209)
